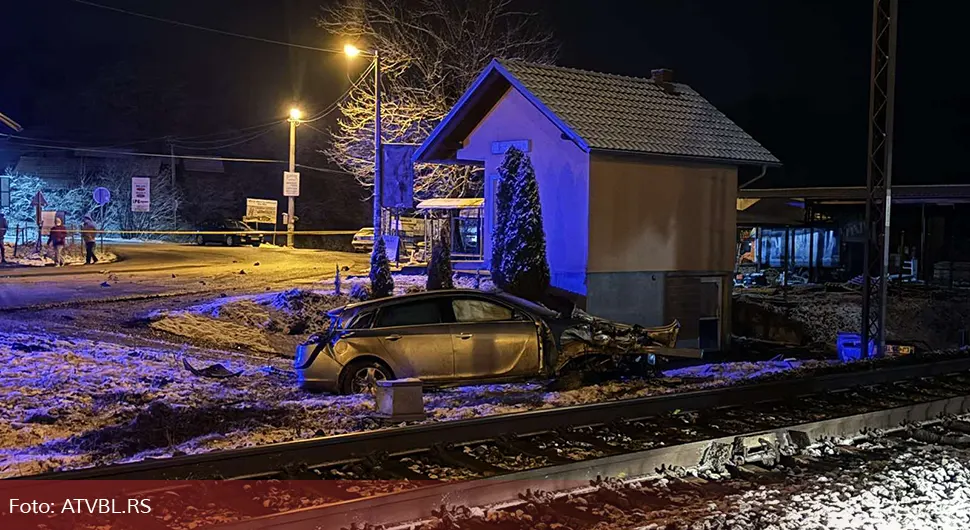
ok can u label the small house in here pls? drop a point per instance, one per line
(637, 181)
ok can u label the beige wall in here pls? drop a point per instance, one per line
(562, 171)
(661, 216)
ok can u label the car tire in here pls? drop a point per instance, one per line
(200, 240)
(353, 378)
(256, 244)
(230, 241)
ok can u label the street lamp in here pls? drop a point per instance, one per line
(353, 51)
(295, 115)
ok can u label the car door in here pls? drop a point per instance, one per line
(416, 337)
(492, 340)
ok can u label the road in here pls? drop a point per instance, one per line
(152, 269)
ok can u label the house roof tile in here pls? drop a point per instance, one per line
(618, 113)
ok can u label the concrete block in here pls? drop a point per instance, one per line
(400, 400)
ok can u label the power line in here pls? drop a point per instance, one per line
(204, 28)
(336, 104)
(247, 139)
(185, 157)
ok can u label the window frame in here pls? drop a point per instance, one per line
(436, 301)
(517, 314)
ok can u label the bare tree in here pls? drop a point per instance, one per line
(431, 51)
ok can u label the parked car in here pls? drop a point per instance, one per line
(464, 335)
(230, 233)
(363, 240)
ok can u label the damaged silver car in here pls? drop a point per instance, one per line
(459, 336)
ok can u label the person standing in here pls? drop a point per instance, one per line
(3, 234)
(58, 239)
(89, 232)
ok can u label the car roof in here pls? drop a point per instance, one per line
(524, 304)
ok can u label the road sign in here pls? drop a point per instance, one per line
(101, 196)
(141, 194)
(38, 200)
(260, 211)
(291, 184)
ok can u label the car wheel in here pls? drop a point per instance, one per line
(200, 240)
(256, 244)
(362, 377)
(230, 241)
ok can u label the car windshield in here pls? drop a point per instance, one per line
(533, 307)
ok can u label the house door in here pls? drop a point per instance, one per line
(709, 325)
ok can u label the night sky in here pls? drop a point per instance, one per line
(793, 73)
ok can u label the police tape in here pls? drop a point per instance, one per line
(209, 233)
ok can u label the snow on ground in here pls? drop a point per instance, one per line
(73, 255)
(926, 487)
(77, 402)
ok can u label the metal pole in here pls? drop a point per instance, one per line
(378, 151)
(290, 202)
(882, 95)
(922, 243)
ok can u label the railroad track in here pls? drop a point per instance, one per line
(395, 475)
(304, 459)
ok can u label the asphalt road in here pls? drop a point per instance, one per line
(152, 269)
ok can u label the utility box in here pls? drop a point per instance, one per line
(400, 400)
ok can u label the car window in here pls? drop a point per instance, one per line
(410, 314)
(363, 321)
(472, 310)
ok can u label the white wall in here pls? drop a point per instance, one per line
(562, 171)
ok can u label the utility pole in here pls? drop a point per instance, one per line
(295, 115)
(882, 96)
(378, 152)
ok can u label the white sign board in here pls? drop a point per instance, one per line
(260, 211)
(141, 194)
(291, 184)
(392, 245)
(47, 218)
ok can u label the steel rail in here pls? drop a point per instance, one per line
(272, 461)
(409, 508)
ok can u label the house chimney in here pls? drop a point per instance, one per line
(662, 75)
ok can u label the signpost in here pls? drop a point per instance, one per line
(291, 184)
(38, 202)
(141, 194)
(260, 211)
(101, 196)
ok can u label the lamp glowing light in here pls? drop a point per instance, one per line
(351, 51)
(295, 114)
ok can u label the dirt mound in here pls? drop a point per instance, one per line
(163, 425)
(301, 312)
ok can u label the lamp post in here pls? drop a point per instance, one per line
(352, 51)
(295, 115)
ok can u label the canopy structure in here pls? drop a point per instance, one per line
(466, 225)
(451, 204)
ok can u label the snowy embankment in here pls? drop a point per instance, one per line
(930, 317)
(274, 322)
(76, 403)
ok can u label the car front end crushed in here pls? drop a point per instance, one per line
(315, 364)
